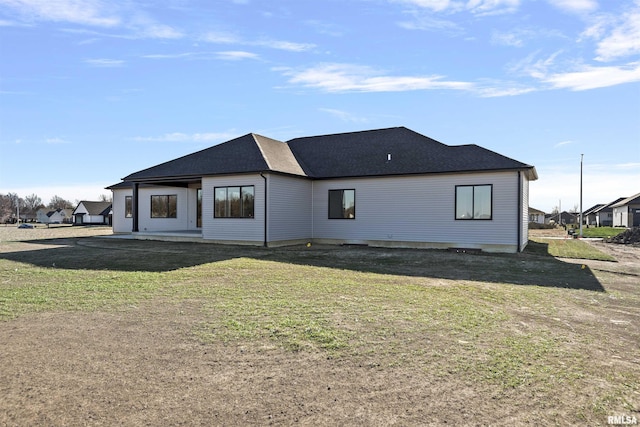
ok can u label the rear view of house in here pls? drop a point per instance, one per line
(626, 212)
(385, 187)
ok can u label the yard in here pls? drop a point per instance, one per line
(103, 331)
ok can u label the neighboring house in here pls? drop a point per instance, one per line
(536, 215)
(386, 187)
(92, 213)
(57, 216)
(626, 212)
(564, 219)
(604, 214)
(589, 216)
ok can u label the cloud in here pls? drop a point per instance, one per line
(478, 7)
(56, 141)
(222, 37)
(343, 115)
(623, 41)
(86, 12)
(105, 63)
(575, 6)
(562, 143)
(185, 137)
(590, 77)
(236, 55)
(94, 13)
(333, 77)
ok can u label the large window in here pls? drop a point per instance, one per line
(234, 202)
(473, 201)
(342, 204)
(128, 206)
(164, 206)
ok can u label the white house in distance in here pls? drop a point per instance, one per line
(92, 213)
(626, 212)
(387, 187)
(55, 216)
(536, 215)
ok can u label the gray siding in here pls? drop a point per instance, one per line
(146, 223)
(420, 209)
(289, 208)
(524, 231)
(233, 230)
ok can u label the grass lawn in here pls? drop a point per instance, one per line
(521, 338)
(604, 232)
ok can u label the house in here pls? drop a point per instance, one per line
(385, 187)
(56, 216)
(92, 213)
(604, 214)
(626, 212)
(590, 215)
(536, 215)
(563, 218)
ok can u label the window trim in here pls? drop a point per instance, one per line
(228, 216)
(329, 204)
(168, 204)
(473, 202)
(128, 200)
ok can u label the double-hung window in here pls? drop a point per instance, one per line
(474, 201)
(234, 202)
(164, 206)
(342, 204)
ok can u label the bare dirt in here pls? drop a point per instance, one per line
(143, 366)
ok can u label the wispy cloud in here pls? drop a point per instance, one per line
(590, 77)
(479, 7)
(222, 37)
(188, 137)
(86, 12)
(94, 13)
(624, 39)
(236, 55)
(104, 63)
(56, 141)
(575, 6)
(343, 115)
(333, 77)
(562, 143)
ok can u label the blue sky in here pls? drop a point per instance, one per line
(92, 90)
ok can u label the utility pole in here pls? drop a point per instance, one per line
(581, 158)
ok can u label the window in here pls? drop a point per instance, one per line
(128, 206)
(342, 204)
(473, 201)
(234, 202)
(164, 206)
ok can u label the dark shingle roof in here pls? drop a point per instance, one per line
(96, 208)
(248, 153)
(392, 151)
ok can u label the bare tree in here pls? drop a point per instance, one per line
(58, 202)
(106, 198)
(32, 203)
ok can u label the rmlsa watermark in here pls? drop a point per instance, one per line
(622, 420)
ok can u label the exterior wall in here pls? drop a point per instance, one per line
(621, 216)
(420, 211)
(146, 223)
(524, 225)
(120, 223)
(289, 209)
(86, 218)
(233, 230)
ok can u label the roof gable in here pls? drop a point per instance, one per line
(95, 208)
(627, 201)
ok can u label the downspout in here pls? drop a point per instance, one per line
(265, 209)
(520, 207)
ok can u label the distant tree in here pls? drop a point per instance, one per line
(575, 209)
(32, 203)
(58, 202)
(5, 208)
(13, 203)
(106, 198)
